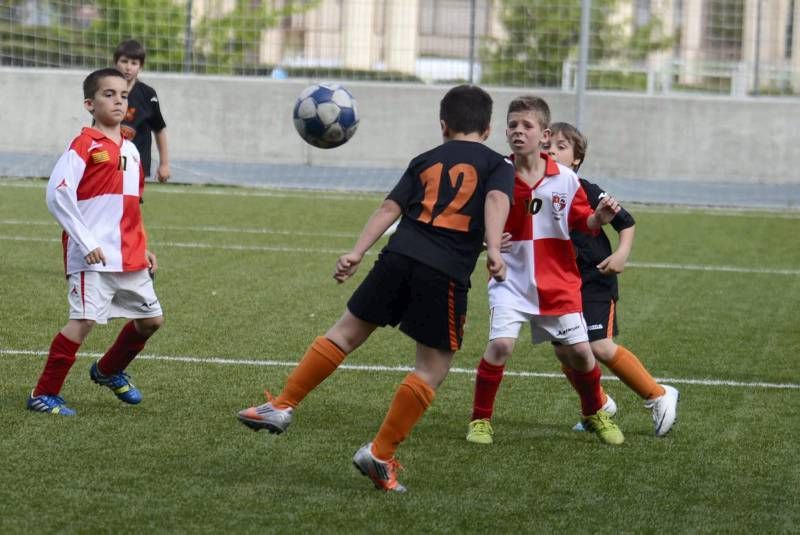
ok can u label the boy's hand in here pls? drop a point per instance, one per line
(505, 242)
(496, 265)
(346, 266)
(613, 265)
(162, 173)
(95, 256)
(152, 263)
(606, 209)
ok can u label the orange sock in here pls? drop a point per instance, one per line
(412, 399)
(632, 372)
(568, 373)
(321, 359)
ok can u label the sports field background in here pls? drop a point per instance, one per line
(708, 302)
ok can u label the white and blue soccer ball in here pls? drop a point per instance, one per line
(326, 115)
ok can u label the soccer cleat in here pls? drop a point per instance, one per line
(480, 432)
(382, 473)
(266, 417)
(664, 410)
(119, 383)
(49, 405)
(610, 407)
(605, 429)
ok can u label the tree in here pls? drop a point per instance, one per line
(542, 34)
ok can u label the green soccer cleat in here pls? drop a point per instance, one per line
(480, 432)
(606, 430)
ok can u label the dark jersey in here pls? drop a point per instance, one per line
(143, 118)
(591, 250)
(442, 195)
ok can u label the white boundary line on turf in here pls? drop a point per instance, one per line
(311, 250)
(406, 369)
(765, 212)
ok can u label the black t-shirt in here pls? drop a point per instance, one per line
(591, 250)
(142, 118)
(442, 195)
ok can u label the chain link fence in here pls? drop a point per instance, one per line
(724, 47)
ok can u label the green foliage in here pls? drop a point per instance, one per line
(230, 41)
(222, 42)
(542, 34)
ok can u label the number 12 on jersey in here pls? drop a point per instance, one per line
(450, 217)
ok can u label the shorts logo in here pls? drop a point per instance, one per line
(148, 305)
(563, 332)
(75, 290)
(596, 327)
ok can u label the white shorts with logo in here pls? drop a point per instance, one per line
(101, 295)
(568, 329)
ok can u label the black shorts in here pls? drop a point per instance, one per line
(429, 306)
(601, 319)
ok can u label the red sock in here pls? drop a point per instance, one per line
(59, 361)
(125, 348)
(588, 387)
(487, 381)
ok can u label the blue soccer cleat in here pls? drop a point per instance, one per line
(119, 383)
(49, 404)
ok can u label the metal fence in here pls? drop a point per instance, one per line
(724, 47)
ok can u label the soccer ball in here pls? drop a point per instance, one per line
(326, 115)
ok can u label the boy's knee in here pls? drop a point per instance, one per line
(148, 326)
(498, 350)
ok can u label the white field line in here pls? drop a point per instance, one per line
(406, 369)
(201, 228)
(311, 250)
(751, 212)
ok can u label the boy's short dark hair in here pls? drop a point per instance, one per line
(574, 136)
(92, 82)
(466, 109)
(531, 103)
(131, 49)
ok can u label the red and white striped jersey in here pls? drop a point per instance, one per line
(542, 276)
(94, 194)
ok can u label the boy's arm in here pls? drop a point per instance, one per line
(606, 209)
(162, 173)
(62, 202)
(380, 220)
(495, 213)
(615, 263)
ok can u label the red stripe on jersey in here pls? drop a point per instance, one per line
(64, 240)
(579, 213)
(520, 222)
(557, 277)
(83, 291)
(132, 235)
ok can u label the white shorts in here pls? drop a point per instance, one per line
(101, 295)
(568, 329)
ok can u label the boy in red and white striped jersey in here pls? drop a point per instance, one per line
(94, 193)
(543, 285)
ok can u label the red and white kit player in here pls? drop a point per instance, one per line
(543, 284)
(93, 193)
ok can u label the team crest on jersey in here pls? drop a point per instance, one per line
(100, 156)
(559, 201)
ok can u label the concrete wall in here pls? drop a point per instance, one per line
(248, 120)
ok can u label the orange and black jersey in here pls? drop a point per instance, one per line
(591, 250)
(142, 118)
(442, 195)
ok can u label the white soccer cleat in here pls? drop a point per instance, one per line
(610, 407)
(664, 410)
